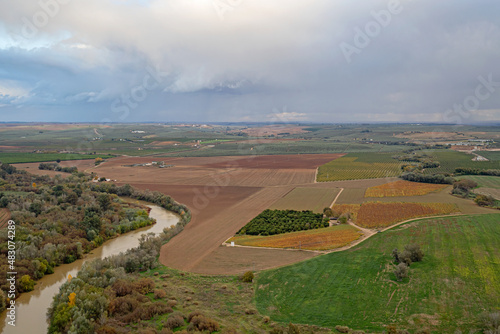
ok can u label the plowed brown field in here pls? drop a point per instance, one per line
(223, 193)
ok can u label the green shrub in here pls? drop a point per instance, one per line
(26, 284)
(247, 277)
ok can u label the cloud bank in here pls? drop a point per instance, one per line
(232, 60)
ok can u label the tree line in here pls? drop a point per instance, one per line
(60, 219)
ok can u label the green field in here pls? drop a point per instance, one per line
(487, 185)
(12, 158)
(457, 280)
(491, 155)
(306, 199)
(449, 160)
(366, 165)
(484, 180)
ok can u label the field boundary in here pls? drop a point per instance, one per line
(336, 197)
(367, 233)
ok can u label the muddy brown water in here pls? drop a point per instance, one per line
(31, 307)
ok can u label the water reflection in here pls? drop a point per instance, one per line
(31, 307)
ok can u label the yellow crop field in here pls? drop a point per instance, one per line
(378, 214)
(353, 209)
(318, 239)
(403, 188)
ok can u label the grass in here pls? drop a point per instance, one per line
(306, 199)
(491, 155)
(403, 188)
(318, 239)
(457, 280)
(12, 158)
(487, 185)
(225, 299)
(354, 166)
(483, 180)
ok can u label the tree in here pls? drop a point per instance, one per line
(328, 212)
(401, 271)
(104, 201)
(36, 208)
(26, 284)
(416, 254)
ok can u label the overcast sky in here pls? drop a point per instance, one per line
(250, 60)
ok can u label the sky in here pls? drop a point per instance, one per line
(327, 61)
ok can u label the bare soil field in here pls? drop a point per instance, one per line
(203, 236)
(237, 260)
(223, 171)
(301, 198)
(204, 201)
(272, 130)
(302, 161)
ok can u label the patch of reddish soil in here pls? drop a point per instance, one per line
(203, 201)
(273, 130)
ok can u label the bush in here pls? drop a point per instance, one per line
(202, 323)
(172, 303)
(247, 277)
(159, 293)
(411, 253)
(484, 200)
(401, 271)
(174, 321)
(342, 329)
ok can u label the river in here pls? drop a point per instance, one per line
(31, 307)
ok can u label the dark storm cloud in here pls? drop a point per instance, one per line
(213, 60)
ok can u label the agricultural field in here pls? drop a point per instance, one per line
(449, 160)
(484, 180)
(12, 158)
(4, 217)
(458, 279)
(270, 222)
(351, 209)
(487, 185)
(314, 199)
(490, 155)
(384, 214)
(377, 214)
(360, 166)
(403, 188)
(318, 239)
(493, 192)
